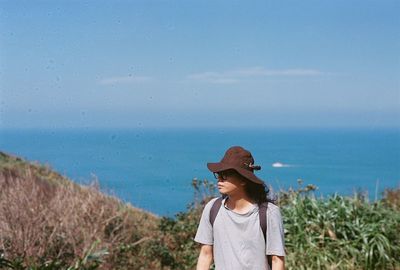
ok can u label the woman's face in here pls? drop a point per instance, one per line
(229, 182)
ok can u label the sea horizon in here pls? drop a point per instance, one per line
(152, 168)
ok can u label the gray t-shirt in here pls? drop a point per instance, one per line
(238, 240)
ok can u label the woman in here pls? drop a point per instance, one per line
(231, 230)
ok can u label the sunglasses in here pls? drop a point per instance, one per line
(223, 175)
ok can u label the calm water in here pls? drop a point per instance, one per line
(153, 169)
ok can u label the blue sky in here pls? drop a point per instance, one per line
(96, 64)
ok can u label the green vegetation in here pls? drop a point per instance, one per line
(47, 222)
(340, 232)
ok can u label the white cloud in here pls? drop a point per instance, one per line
(236, 75)
(125, 80)
(213, 77)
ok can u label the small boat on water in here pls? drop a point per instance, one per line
(278, 165)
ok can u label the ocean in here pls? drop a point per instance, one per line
(153, 168)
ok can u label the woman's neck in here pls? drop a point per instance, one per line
(239, 204)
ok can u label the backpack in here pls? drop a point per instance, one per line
(262, 215)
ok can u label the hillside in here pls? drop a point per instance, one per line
(45, 216)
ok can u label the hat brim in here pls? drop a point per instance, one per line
(219, 167)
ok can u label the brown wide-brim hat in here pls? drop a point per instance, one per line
(240, 160)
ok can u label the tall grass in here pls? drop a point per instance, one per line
(340, 232)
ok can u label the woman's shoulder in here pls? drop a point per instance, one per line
(210, 203)
(273, 208)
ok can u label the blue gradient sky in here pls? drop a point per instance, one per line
(91, 64)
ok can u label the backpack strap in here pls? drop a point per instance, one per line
(263, 218)
(263, 224)
(214, 210)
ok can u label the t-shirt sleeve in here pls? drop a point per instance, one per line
(275, 232)
(204, 234)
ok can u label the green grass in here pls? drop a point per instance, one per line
(340, 233)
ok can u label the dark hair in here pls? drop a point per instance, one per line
(257, 192)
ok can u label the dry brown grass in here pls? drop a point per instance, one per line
(392, 198)
(43, 215)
